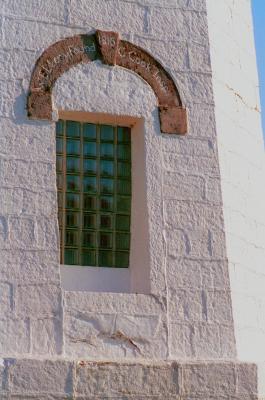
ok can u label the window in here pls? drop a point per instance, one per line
(93, 164)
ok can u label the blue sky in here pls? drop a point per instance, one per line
(258, 7)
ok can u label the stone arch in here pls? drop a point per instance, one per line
(107, 47)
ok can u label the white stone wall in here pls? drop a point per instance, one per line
(241, 154)
(188, 313)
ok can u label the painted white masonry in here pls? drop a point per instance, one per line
(242, 164)
(186, 315)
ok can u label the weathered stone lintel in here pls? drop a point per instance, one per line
(61, 379)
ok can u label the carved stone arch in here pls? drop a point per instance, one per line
(107, 47)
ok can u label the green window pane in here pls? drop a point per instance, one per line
(90, 184)
(72, 200)
(72, 219)
(90, 149)
(122, 259)
(90, 167)
(106, 221)
(106, 133)
(89, 203)
(122, 241)
(70, 257)
(106, 150)
(122, 222)
(124, 134)
(124, 170)
(89, 221)
(59, 128)
(73, 165)
(106, 186)
(105, 240)
(89, 239)
(72, 129)
(123, 204)
(123, 152)
(71, 238)
(88, 258)
(73, 183)
(90, 131)
(73, 147)
(124, 187)
(106, 203)
(106, 168)
(59, 145)
(105, 258)
(59, 164)
(59, 181)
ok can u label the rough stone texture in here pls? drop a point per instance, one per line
(87, 380)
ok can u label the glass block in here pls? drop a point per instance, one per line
(122, 259)
(73, 165)
(89, 221)
(105, 240)
(72, 200)
(124, 134)
(90, 167)
(123, 152)
(73, 147)
(124, 170)
(106, 203)
(89, 203)
(106, 133)
(122, 222)
(73, 183)
(59, 145)
(106, 221)
(122, 241)
(90, 184)
(123, 204)
(60, 199)
(106, 168)
(72, 219)
(59, 181)
(59, 128)
(88, 258)
(71, 256)
(71, 238)
(105, 259)
(72, 129)
(106, 186)
(106, 150)
(124, 187)
(59, 164)
(90, 149)
(89, 239)
(90, 131)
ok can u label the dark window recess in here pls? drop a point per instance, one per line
(94, 193)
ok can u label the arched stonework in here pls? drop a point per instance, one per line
(107, 47)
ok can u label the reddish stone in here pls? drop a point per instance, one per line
(173, 120)
(40, 105)
(108, 43)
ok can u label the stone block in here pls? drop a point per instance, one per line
(247, 378)
(48, 232)
(188, 165)
(213, 190)
(37, 301)
(46, 336)
(11, 201)
(209, 380)
(186, 305)
(6, 298)
(184, 273)
(183, 187)
(35, 377)
(50, 12)
(14, 336)
(108, 15)
(195, 88)
(22, 232)
(11, 92)
(181, 344)
(189, 146)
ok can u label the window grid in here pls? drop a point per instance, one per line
(94, 193)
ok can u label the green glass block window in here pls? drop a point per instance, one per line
(94, 193)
